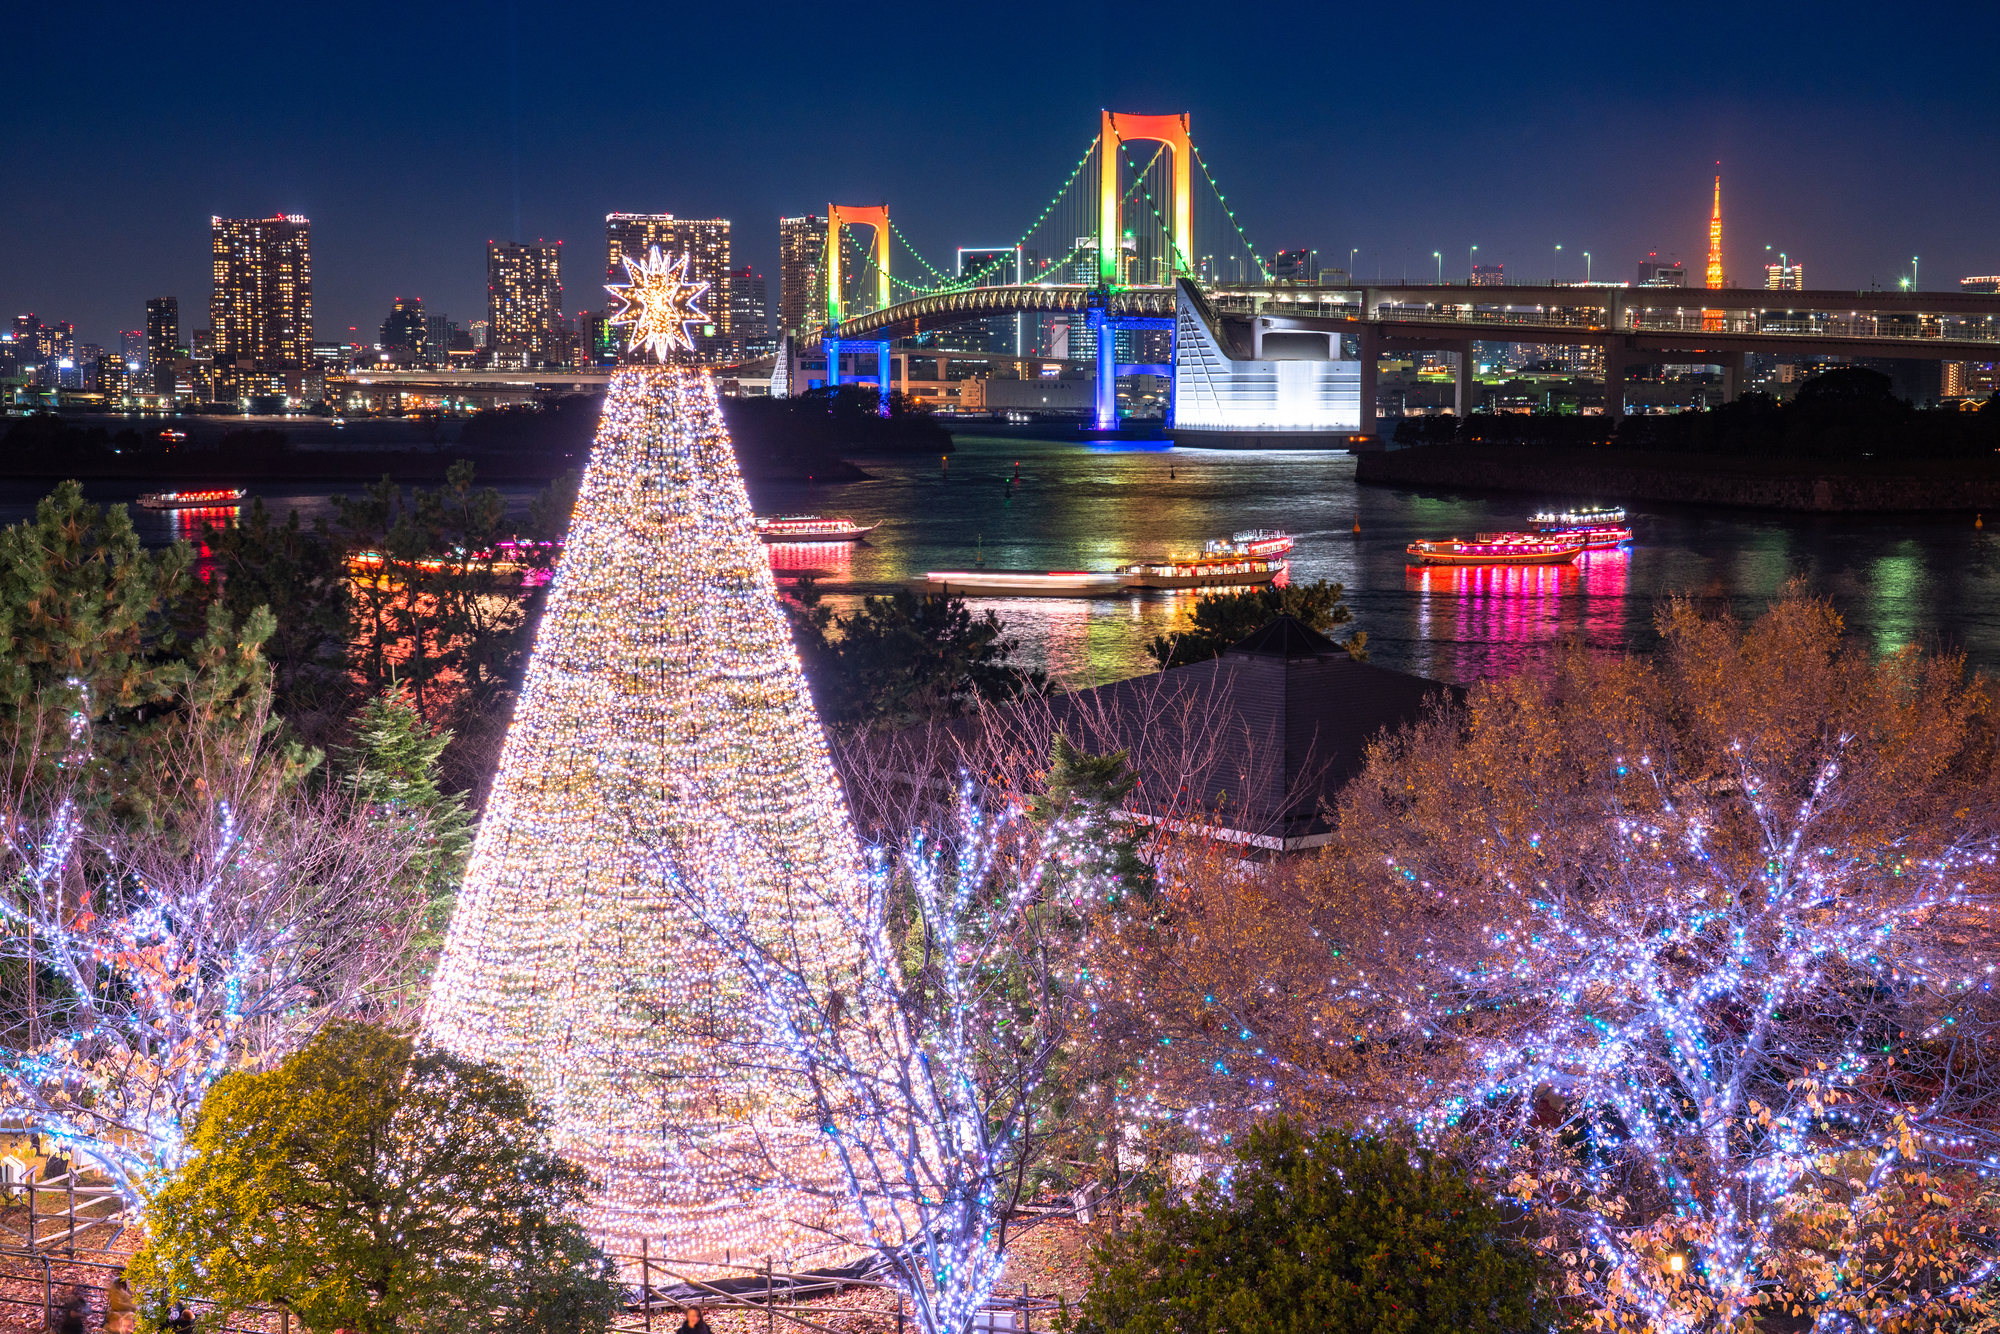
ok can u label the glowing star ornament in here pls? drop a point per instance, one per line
(659, 303)
(664, 747)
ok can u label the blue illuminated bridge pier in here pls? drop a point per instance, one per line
(1291, 364)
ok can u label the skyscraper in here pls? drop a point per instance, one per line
(163, 342)
(705, 241)
(524, 301)
(801, 248)
(1784, 277)
(439, 333)
(750, 313)
(261, 305)
(403, 331)
(1489, 275)
(132, 346)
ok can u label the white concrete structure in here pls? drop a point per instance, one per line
(1292, 383)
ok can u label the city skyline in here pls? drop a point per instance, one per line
(1352, 161)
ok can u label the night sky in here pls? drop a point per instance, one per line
(1851, 137)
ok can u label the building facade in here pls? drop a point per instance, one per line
(988, 266)
(163, 342)
(403, 331)
(801, 251)
(524, 303)
(750, 314)
(1654, 272)
(1784, 277)
(706, 243)
(260, 308)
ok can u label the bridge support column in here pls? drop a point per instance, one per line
(1732, 376)
(1614, 384)
(1371, 368)
(1107, 370)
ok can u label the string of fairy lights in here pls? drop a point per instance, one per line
(664, 714)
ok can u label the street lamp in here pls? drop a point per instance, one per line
(1472, 264)
(1350, 262)
(1440, 259)
(1586, 268)
(1557, 266)
(1913, 273)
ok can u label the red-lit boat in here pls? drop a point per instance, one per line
(228, 497)
(779, 528)
(1497, 549)
(1600, 527)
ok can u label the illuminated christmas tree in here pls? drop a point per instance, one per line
(664, 747)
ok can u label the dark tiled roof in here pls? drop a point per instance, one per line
(1287, 637)
(1285, 717)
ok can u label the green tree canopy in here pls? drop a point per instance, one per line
(1220, 619)
(98, 634)
(1332, 1234)
(393, 768)
(904, 658)
(367, 1186)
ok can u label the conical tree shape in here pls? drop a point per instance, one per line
(664, 730)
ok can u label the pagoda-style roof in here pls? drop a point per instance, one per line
(1276, 726)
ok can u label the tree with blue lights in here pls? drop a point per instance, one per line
(1697, 965)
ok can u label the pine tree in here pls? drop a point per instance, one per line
(393, 769)
(100, 636)
(664, 747)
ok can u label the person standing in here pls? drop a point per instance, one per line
(695, 1323)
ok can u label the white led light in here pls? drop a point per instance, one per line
(664, 730)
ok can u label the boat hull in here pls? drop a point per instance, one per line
(1241, 578)
(1023, 584)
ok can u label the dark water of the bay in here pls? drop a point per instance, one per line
(1898, 579)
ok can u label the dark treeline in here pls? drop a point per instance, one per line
(1848, 413)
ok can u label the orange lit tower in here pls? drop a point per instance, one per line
(1715, 278)
(1712, 319)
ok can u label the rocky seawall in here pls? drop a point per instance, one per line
(1820, 486)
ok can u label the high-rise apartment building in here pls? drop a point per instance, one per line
(440, 331)
(750, 313)
(403, 331)
(132, 346)
(524, 302)
(801, 250)
(261, 306)
(706, 243)
(1784, 277)
(163, 342)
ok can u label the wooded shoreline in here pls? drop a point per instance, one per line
(1823, 486)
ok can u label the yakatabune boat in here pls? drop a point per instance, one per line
(220, 498)
(1600, 527)
(1497, 549)
(811, 528)
(1205, 571)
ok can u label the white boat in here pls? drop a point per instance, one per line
(1024, 583)
(779, 528)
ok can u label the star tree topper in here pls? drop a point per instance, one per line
(659, 303)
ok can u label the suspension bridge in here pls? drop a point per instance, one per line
(1140, 240)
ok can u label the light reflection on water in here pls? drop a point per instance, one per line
(1899, 579)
